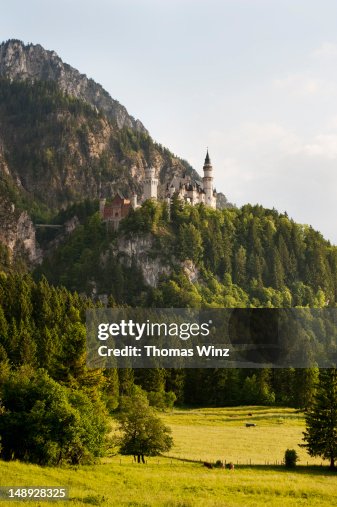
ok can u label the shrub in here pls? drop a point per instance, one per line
(290, 458)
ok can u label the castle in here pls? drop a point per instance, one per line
(184, 187)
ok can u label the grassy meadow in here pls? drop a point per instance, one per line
(208, 434)
(178, 484)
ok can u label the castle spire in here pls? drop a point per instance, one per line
(207, 159)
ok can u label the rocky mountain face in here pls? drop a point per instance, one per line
(56, 150)
(17, 234)
(64, 140)
(138, 250)
(33, 63)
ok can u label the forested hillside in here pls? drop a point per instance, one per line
(240, 257)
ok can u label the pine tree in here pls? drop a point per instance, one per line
(190, 243)
(240, 266)
(305, 380)
(126, 377)
(321, 419)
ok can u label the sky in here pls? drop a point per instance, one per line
(255, 81)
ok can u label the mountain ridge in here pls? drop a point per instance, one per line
(19, 61)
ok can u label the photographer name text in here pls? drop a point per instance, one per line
(153, 351)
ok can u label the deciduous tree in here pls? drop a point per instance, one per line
(144, 434)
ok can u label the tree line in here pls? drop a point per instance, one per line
(42, 326)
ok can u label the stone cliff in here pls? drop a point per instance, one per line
(17, 233)
(142, 251)
(139, 249)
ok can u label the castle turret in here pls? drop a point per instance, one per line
(150, 184)
(134, 200)
(210, 199)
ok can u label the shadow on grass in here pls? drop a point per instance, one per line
(236, 408)
(322, 470)
(299, 469)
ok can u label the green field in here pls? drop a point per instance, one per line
(220, 433)
(178, 484)
(207, 434)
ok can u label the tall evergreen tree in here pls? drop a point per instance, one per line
(321, 419)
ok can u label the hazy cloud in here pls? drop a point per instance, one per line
(305, 85)
(326, 50)
(324, 146)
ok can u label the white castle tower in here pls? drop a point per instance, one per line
(133, 200)
(150, 184)
(210, 195)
